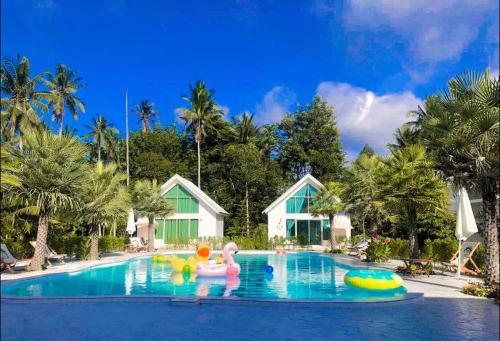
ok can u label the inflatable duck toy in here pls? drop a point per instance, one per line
(202, 253)
(179, 264)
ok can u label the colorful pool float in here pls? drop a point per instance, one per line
(373, 279)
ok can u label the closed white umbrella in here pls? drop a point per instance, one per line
(466, 224)
(131, 222)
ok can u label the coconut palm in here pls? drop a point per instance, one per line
(8, 175)
(51, 170)
(461, 127)
(22, 97)
(102, 134)
(410, 187)
(405, 136)
(327, 202)
(147, 201)
(202, 114)
(147, 114)
(244, 128)
(105, 197)
(361, 192)
(62, 89)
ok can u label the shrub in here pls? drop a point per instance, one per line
(378, 251)
(111, 244)
(444, 249)
(357, 238)
(400, 248)
(478, 289)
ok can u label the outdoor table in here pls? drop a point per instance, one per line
(424, 266)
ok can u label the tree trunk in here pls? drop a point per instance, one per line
(247, 210)
(491, 275)
(38, 259)
(113, 229)
(99, 152)
(333, 238)
(60, 127)
(199, 163)
(413, 234)
(94, 241)
(151, 235)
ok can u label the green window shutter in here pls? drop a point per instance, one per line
(183, 204)
(183, 228)
(290, 205)
(159, 229)
(194, 206)
(172, 193)
(170, 230)
(183, 193)
(290, 228)
(193, 229)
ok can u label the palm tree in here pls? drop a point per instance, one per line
(327, 202)
(9, 174)
(410, 187)
(51, 170)
(147, 201)
(405, 136)
(245, 129)
(102, 134)
(62, 88)
(361, 192)
(104, 198)
(461, 127)
(202, 114)
(22, 97)
(147, 114)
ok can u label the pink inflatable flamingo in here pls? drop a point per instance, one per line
(230, 269)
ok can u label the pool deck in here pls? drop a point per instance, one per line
(443, 312)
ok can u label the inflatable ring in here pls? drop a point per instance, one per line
(373, 279)
(161, 258)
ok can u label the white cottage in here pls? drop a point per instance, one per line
(289, 215)
(196, 214)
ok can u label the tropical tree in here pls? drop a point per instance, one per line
(8, 175)
(62, 89)
(245, 129)
(405, 136)
(461, 127)
(410, 187)
(147, 114)
(327, 202)
(147, 201)
(361, 192)
(51, 170)
(22, 97)
(202, 114)
(105, 198)
(102, 134)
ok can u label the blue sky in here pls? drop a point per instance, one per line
(373, 60)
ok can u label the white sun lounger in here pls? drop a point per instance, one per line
(9, 261)
(50, 254)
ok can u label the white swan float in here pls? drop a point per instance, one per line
(230, 268)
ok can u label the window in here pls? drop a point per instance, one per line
(326, 229)
(182, 200)
(301, 200)
(290, 228)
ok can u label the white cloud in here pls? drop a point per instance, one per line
(435, 30)
(275, 104)
(364, 117)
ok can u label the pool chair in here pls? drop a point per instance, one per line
(50, 254)
(136, 245)
(466, 252)
(8, 261)
(359, 248)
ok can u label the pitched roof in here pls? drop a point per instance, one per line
(194, 190)
(291, 191)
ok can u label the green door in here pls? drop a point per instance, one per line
(303, 232)
(170, 230)
(193, 229)
(160, 225)
(315, 232)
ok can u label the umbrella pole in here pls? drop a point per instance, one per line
(458, 261)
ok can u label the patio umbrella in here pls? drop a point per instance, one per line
(131, 222)
(466, 224)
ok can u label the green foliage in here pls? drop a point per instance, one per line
(147, 200)
(72, 245)
(378, 251)
(111, 243)
(480, 290)
(399, 248)
(440, 250)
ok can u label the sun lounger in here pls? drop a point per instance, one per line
(359, 248)
(468, 249)
(50, 254)
(8, 261)
(136, 245)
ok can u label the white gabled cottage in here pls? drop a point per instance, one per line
(196, 214)
(289, 216)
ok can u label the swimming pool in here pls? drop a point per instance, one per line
(300, 276)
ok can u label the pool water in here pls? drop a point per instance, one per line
(305, 276)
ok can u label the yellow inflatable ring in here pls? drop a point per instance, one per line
(373, 279)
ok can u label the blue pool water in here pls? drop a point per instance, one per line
(307, 276)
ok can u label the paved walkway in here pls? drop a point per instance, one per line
(442, 314)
